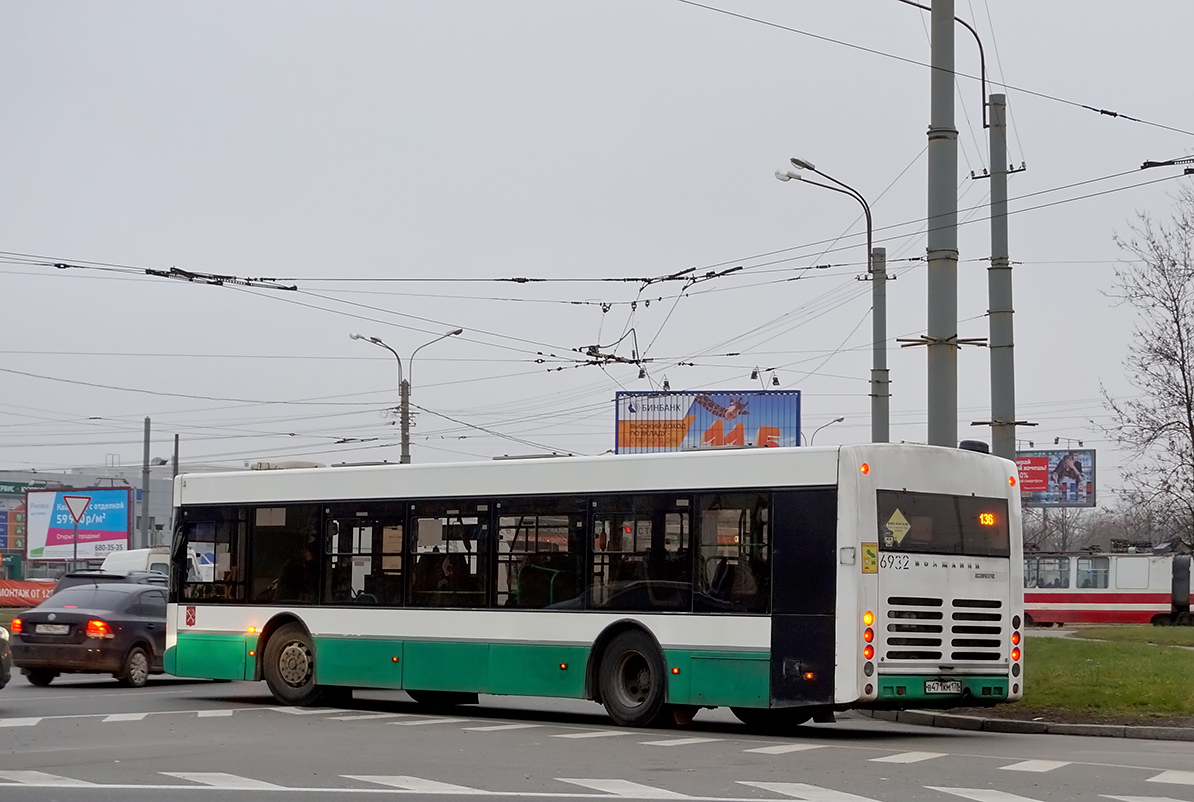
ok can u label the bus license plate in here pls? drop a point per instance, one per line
(52, 629)
(943, 686)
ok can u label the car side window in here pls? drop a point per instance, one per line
(152, 604)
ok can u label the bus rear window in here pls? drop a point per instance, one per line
(931, 523)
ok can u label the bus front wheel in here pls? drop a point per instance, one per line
(290, 666)
(633, 680)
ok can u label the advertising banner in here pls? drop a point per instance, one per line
(649, 422)
(97, 519)
(27, 593)
(1057, 477)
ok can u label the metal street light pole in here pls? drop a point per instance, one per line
(822, 426)
(403, 385)
(877, 274)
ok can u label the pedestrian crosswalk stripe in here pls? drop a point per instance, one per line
(1036, 765)
(365, 716)
(680, 742)
(1142, 798)
(595, 734)
(1175, 777)
(500, 727)
(624, 788)
(982, 794)
(218, 779)
(784, 749)
(908, 757)
(41, 778)
(419, 721)
(125, 717)
(214, 713)
(413, 784)
(809, 793)
(18, 722)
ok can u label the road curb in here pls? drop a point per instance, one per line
(927, 718)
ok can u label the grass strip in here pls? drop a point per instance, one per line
(1108, 679)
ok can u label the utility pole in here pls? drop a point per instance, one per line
(942, 334)
(880, 383)
(999, 291)
(404, 415)
(145, 490)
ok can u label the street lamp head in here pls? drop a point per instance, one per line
(801, 164)
(355, 336)
(454, 333)
(839, 420)
(788, 175)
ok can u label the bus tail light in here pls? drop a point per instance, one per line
(17, 626)
(868, 651)
(868, 634)
(1015, 654)
(1015, 639)
(99, 629)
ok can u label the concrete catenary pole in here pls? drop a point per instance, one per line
(942, 235)
(999, 290)
(145, 491)
(404, 412)
(880, 383)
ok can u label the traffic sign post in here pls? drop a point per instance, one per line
(76, 505)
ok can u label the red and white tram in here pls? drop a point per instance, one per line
(1106, 588)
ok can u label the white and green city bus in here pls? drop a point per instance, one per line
(784, 583)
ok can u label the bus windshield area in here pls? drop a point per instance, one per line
(931, 523)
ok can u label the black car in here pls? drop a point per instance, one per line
(96, 577)
(5, 658)
(114, 628)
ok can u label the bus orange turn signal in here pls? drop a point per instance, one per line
(866, 468)
(868, 618)
(1011, 481)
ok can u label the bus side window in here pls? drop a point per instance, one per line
(209, 554)
(734, 557)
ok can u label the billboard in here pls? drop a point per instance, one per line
(98, 519)
(649, 422)
(1057, 477)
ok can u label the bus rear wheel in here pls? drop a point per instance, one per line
(290, 666)
(769, 720)
(633, 680)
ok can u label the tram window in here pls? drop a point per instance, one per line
(1053, 572)
(642, 556)
(1030, 572)
(450, 553)
(734, 562)
(540, 552)
(1094, 572)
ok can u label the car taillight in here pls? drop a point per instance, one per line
(17, 626)
(99, 629)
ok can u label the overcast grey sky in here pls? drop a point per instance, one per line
(395, 159)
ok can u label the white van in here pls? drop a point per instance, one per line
(121, 562)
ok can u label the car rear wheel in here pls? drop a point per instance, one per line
(136, 668)
(40, 676)
(290, 666)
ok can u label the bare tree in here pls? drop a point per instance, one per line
(1156, 428)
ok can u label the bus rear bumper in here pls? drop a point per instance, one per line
(930, 690)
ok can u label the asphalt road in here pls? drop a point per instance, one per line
(85, 738)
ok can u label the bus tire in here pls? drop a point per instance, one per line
(290, 666)
(442, 700)
(771, 720)
(633, 680)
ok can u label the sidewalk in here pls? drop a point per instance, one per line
(929, 718)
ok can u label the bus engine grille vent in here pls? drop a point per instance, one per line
(915, 628)
(976, 629)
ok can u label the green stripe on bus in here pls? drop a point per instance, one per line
(912, 687)
(213, 656)
(741, 679)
